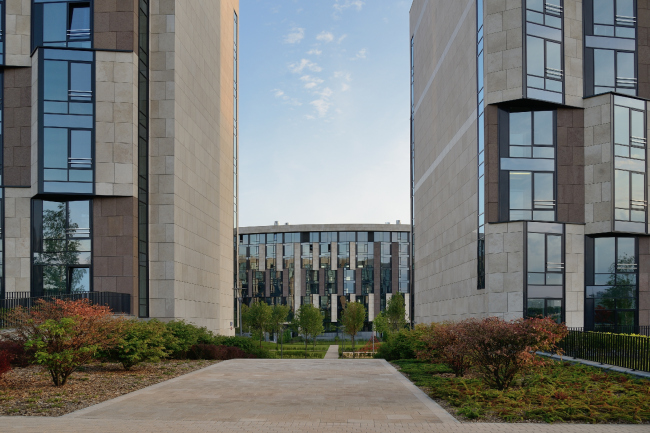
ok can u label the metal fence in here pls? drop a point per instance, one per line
(622, 350)
(119, 303)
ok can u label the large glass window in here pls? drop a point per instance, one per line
(544, 59)
(143, 160)
(610, 46)
(59, 23)
(545, 270)
(62, 245)
(67, 130)
(527, 179)
(343, 252)
(2, 32)
(480, 149)
(630, 202)
(612, 282)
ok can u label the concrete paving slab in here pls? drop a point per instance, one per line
(282, 396)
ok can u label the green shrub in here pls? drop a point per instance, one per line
(141, 342)
(399, 345)
(185, 336)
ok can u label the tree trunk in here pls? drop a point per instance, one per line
(352, 346)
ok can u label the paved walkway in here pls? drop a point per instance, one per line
(332, 352)
(281, 396)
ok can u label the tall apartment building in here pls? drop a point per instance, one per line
(529, 160)
(321, 264)
(119, 153)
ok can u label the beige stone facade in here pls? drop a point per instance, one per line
(188, 182)
(457, 138)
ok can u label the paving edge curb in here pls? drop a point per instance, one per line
(608, 367)
(434, 407)
(81, 412)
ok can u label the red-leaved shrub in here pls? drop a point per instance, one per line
(501, 350)
(369, 345)
(5, 362)
(443, 342)
(16, 351)
(214, 352)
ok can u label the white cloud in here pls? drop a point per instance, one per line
(315, 52)
(323, 103)
(286, 99)
(345, 87)
(345, 77)
(298, 67)
(361, 54)
(341, 6)
(341, 39)
(296, 35)
(325, 36)
(311, 82)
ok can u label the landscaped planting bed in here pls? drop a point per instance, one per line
(29, 391)
(556, 392)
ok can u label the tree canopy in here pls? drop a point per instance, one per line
(352, 319)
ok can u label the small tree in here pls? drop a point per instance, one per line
(279, 316)
(352, 319)
(310, 323)
(380, 324)
(396, 312)
(258, 318)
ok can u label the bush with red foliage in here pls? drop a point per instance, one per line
(5, 362)
(369, 345)
(444, 343)
(16, 352)
(64, 335)
(502, 350)
(214, 352)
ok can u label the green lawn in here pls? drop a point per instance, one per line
(559, 392)
(297, 350)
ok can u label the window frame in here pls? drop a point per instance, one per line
(37, 23)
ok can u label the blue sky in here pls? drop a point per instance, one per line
(324, 111)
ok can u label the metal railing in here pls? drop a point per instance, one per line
(612, 346)
(119, 303)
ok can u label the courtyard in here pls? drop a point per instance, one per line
(251, 395)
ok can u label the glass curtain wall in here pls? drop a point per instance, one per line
(545, 270)
(143, 159)
(544, 50)
(610, 46)
(59, 23)
(62, 246)
(612, 277)
(630, 164)
(527, 176)
(481, 146)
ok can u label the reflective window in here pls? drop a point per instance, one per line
(544, 71)
(544, 270)
(527, 151)
(612, 282)
(67, 129)
(59, 23)
(62, 244)
(610, 47)
(2, 33)
(630, 200)
(480, 251)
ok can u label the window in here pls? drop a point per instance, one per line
(630, 203)
(270, 256)
(343, 252)
(59, 23)
(259, 284)
(545, 270)
(325, 256)
(544, 59)
(62, 245)
(610, 47)
(365, 254)
(348, 282)
(480, 251)
(67, 129)
(611, 294)
(312, 282)
(2, 33)
(527, 180)
(382, 237)
(276, 283)
(347, 236)
(306, 255)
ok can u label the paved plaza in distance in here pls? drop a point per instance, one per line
(250, 395)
